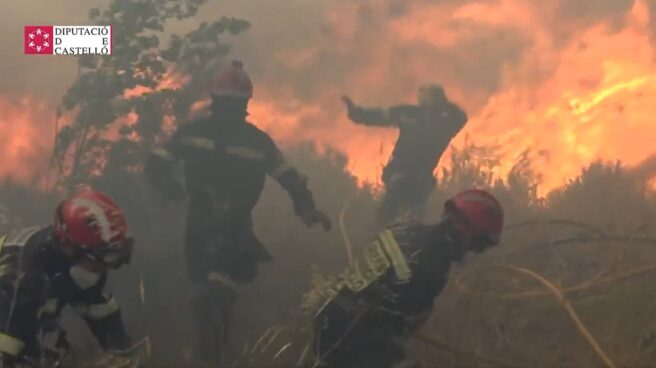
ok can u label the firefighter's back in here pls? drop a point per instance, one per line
(424, 135)
(366, 327)
(224, 160)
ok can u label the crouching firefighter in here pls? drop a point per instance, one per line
(43, 269)
(226, 161)
(364, 315)
(425, 131)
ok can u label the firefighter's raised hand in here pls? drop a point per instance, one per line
(348, 102)
(317, 217)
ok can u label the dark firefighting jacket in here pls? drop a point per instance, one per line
(36, 282)
(424, 135)
(226, 161)
(391, 288)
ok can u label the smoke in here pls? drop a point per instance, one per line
(590, 11)
(300, 49)
(370, 49)
(380, 50)
(652, 18)
(44, 77)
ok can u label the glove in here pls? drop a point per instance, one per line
(315, 217)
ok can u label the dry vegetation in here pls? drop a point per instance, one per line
(571, 284)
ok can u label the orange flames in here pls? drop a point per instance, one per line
(568, 90)
(568, 101)
(367, 148)
(170, 80)
(597, 104)
(26, 137)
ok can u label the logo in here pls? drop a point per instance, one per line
(38, 40)
(68, 40)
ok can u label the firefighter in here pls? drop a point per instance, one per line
(43, 269)
(425, 131)
(363, 315)
(226, 160)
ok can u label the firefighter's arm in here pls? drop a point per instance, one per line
(296, 185)
(371, 116)
(159, 169)
(103, 317)
(15, 317)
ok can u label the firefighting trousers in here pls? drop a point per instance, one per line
(218, 260)
(405, 192)
(210, 306)
(347, 339)
(222, 242)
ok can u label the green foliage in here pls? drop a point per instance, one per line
(126, 88)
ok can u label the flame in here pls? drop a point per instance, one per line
(366, 154)
(27, 132)
(170, 80)
(26, 137)
(597, 104)
(568, 100)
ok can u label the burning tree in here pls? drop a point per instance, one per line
(119, 106)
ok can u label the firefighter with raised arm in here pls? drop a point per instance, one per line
(226, 160)
(425, 131)
(364, 315)
(44, 269)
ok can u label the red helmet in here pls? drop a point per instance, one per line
(477, 214)
(233, 82)
(94, 224)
